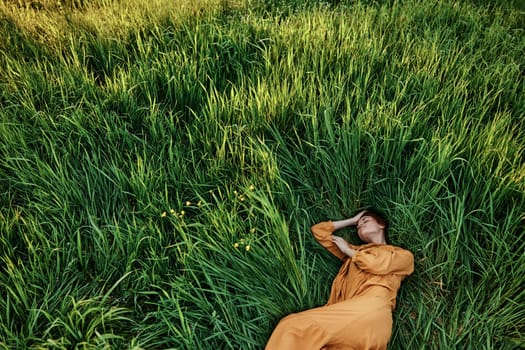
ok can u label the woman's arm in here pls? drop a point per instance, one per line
(343, 246)
(323, 234)
(335, 244)
(348, 222)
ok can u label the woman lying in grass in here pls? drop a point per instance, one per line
(358, 314)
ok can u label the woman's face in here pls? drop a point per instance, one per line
(368, 227)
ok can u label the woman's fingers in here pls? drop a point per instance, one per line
(338, 240)
(356, 218)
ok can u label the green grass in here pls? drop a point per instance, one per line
(160, 167)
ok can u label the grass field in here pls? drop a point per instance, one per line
(160, 167)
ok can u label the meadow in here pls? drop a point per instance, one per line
(161, 165)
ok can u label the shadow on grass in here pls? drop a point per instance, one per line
(17, 43)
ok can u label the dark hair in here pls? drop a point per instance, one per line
(379, 217)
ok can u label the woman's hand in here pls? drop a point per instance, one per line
(343, 246)
(356, 218)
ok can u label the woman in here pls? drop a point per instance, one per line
(358, 314)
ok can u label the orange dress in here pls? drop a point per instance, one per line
(358, 314)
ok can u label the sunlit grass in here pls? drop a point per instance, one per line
(160, 167)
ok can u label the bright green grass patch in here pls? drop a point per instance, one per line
(160, 167)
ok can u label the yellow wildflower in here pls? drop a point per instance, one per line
(163, 215)
(248, 247)
(188, 203)
(236, 244)
(252, 187)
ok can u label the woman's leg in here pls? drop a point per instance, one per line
(298, 331)
(360, 323)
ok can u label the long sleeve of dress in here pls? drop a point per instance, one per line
(389, 260)
(323, 234)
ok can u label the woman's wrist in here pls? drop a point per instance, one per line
(350, 252)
